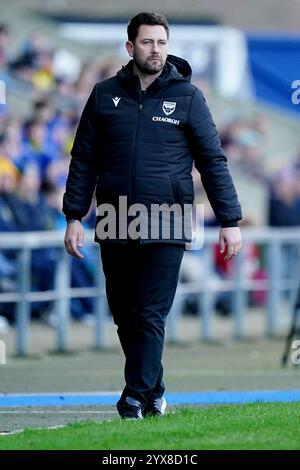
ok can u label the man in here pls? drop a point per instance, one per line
(137, 138)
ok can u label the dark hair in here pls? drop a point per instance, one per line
(151, 19)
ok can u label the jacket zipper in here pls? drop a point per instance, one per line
(133, 156)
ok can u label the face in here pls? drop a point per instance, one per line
(150, 48)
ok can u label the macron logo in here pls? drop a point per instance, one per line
(116, 100)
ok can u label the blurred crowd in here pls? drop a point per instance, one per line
(35, 156)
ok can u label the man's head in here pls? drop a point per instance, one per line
(147, 44)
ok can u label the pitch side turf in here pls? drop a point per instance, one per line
(251, 426)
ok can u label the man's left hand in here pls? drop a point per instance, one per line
(230, 239)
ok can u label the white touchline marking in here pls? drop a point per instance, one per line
(8, 433)
(18, 431)
(56, 412)
(54, 394)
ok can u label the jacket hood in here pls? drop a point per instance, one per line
(182, 66)
(175, 69)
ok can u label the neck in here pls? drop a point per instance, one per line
(145, 79)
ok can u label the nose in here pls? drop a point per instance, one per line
(154, 48)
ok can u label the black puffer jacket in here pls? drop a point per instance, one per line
(142, 145)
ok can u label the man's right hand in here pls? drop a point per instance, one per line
(74, 238)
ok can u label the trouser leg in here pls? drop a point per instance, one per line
(120, 282)
(141, 281)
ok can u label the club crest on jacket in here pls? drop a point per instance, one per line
(168, 107)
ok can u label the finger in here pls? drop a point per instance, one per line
(80, 239)
(71, 247)
(75, 251)
(222, 245)
(230, 249)
(67, 246)
(239, 246)
(236, 249)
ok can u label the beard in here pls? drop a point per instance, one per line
(148, 67)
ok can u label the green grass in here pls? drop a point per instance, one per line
(251, 426)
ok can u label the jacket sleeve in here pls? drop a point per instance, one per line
(82, 176)
(211, 163)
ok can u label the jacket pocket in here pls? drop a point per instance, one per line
(183, 189)
(176, 189)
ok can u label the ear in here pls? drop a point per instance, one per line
(129, 47)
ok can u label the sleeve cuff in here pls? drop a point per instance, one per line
(72, 217)
(229, 223)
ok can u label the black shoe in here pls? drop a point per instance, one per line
(130, 408)
(156, 407)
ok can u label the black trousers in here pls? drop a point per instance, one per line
(141, 281)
